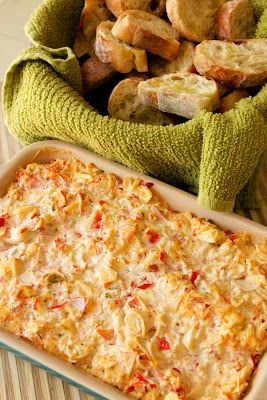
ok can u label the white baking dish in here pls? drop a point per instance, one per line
(178, 199)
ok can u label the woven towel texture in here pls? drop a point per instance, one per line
(217, 156)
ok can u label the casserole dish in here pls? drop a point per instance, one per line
(47, 151)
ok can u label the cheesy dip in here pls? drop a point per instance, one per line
(102, 273)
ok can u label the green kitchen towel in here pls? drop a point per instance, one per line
(214, 155)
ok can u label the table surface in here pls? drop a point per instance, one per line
(13, 16)
(19, 380)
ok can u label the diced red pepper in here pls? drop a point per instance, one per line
(98, 218)
(176, 370)
(59, 244)
(130, 389)
(102, 202)
(141, 378)
(145, 286)
(164, 344)
(137, 217)
(194, 277)
(134, 302)
(57, 306)
(233, 237)
(147, 184)
(162, 256)
(116, 302)
(35, 304)
(2, 221)
(153, 236)
(133, 285)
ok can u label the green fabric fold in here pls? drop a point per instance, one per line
(214, 155)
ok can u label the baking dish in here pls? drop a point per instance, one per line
(45, 151)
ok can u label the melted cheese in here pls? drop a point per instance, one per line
(100, 272)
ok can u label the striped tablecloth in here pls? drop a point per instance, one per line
(20, 380)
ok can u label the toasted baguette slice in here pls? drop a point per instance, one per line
(95, 74)
(194, 19)
(237, 65)
(124, 104)
(183, 94)
(117, 7)
(235, 20)
(229, 101)
(93, 13)
(81, 45)
(117, 54)
(148, 32)
(184, 61)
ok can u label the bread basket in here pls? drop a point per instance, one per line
(215, 155)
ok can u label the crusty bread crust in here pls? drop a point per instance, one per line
(148, 32)
(118, 55)
(124, 104)
(93, 13)
(238, 64)
(95, 74)
(184, 61)
(193, 19)
(117, 7)
(229, 101)
(184, 94)
(235, 20)
(223, 90)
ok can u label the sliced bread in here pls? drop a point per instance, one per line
(229, 101)
(82, 46)
(235, 20)
(117, 7)
(124, 104)
(95, 74)
(184, 94)
(238, 65)
(93, 13)
(148, 32)
(193, 19)
(117, 54)
(184, 61)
